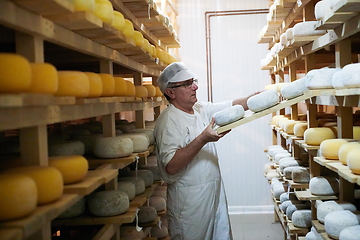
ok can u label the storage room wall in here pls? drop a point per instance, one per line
(236, 72)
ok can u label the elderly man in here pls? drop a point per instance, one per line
(188, 161)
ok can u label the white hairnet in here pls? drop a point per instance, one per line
(175, 72)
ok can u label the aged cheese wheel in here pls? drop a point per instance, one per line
(294, 89)
(276, 118)
(118, 21)
(302, 218)
(337, 221)
(129, 29)
(104, 11)
(128, 188)
(158, 203)
(275, 150)
(294, 207)
(322, 8)
(326, 207)
(350, 233)
(138, 38)
(263, 100)
(310, 236)
(146, 45)
(137, 181)
(307, 29)
(284, 205)
(345, 149)
(49, 181)
(352, 70)
(95, 84)
(289, 170)
(160, 193)
(353, 160)
(146, 175)
(87, 140)
(140, 141)
(330, 148)
(73, 168)
(324, 186)
(19, 196)
(120, 86)
(288, 163)
(108, 83)
(84, 5)
(108, 203)
(75, 210)
(15, 73)
(299, 129)
(300, 175)
(130, 92)
(229, 115)
(71, 147)
(113, 147)
(73, 83)
(314, 136)
(287, 196)
(154, 169)
(141, 92)
(338, 79)
(320, 78)
(274, 147)
(148, 132)
(125, 128)
(44, 78)
(151, 90)
(281, 155)
(289, 34)
(159, 232)
(268, 167)
(278, 189)
(147, 214)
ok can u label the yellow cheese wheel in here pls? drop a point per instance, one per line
(345, 149)
(49, 181)
(138, 38)
(329, 148)
(158, 92)
(146, 45)
(15, 73)
(44, 78)
(95, 84)
(299, 129)
(314, 136)
(108, 83)
(275, 118)
(120, 86)
(130, 92)
(73, 83)
(118, 21)
(356, 132)
(72, 167)
(152, 51)
(141, 92)
(289, 126)
(84, 5)
(129, 29)
(151, 90)
(104, 11)
(353, 160)
(159, 53)
(18, 196)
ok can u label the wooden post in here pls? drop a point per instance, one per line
(139, 115)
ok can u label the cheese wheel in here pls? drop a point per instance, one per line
(320, 78)
(294, 207)
(129, 29)
(356, 132)
(44, 78)
(289, 126)
(314, 136)
(263, 100)
(75, 210)
(71, 147)
(141, 92)
(281, 155)
(289, 34)
(49, 181)
(155, 171)
(307, 29)
(138, 38)
(289, 170)
(229, 115)
(158, 203)
(140, 141)
(278, 189)
(104, 11)
(299, 129)
(353, 160)
(84, 5)
(148, 132)
(350, 233)
(73, 83)
(322, 8)
(146, 214)
(130, 92)
(108, 203)
(19, 196)
(146, 45)
(284, 205)
(337, 221)
(353, 79)
(113, 147)
(88, 141)
(95, 84)
(294, 89)
(151, 90)
(324, 186)
(128, 188)
(159, 232)
(108, 83)
(338, 79)
(160, 193)
(268, 167)
(272, 174)
(345, 149)
(120, 86)
(300, 175)
(137, 181)
(118, 21)
(325, 208)
(146, 175)
(288, 163)
(73, 168)
(302, 218)
(15, 73)
(329, 148)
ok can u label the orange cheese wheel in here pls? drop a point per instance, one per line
(129, 28)
(72, 167)
(130, 92)
(15, 73)
(49, 181)
(120, 86)
(73, 83)
(151, 90)
(138, 38)
(108, 84)
(104, 11)
(95, 84)
(118, 21)
(158, 92)
(84, 5)
(19, 196)
(44, 78)
(141, 92)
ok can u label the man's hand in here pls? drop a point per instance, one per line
(210, 135)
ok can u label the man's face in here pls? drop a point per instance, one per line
(185, 91)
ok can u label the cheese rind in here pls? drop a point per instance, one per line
(294, 89)
(108, 84)
(73, 83)
(229, 115)
(113, 147)
(302, 218)
(350, 233)
(147, 214)
(336, 221)
(324, 186)
(329, 148)
(44, 78)
(263, 100)
(120, 86)
(75, 210)
(128, 188)
(345, 149)
(95, 84)
(73, 168)
(108, 203)
(314, 136)
(353, 160)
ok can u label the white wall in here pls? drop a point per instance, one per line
(236, 72)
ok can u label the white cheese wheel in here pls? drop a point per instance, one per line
(128, 188)
(294, 89)
(278, 189)
(288, 171)
(268, 166)
(285, 159)
(87, 140)
(273, 152)
(158, 203)
(288, 163)
(275, 119)
(148, 132)
(274, 147)
(137, 181)
(146, 214)
(140, 141)
(326, 207)
(71, 147)
(329, 148)
(345, 149)
(289, 33)
(263, 100)
(324, 186)
(113, 147)
(284, 205)
(272, 174)
(320, 78)
(108, 203)
(353, 160)
(338, 79)
(300, 128)
(307, 29)
(294, 207)
(154, 169)
(314, 136)
(287, 196)
(322, 8)
(75, 210)
(146, 175)
(310, 236)
(283, 40)
(336, 221)
(73, 168)
(281, 155)
(300, 175)
(354, 79)
(159, 232)
(302, 218)
(350, 233)
(229, 115)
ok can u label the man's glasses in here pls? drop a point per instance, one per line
(186, 84)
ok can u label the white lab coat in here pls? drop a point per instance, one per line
(196, 204)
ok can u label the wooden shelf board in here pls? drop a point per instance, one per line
(124, 161)
(323, 161)
(77, 20)
(297, 230)
(306, 196)
(10, 234)
(348, 175)
(325, 236)
(293, 184)
(46, 7)
(306, 147)
(318, 226)
(140, 199)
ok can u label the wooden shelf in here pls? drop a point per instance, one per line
(117, 163)
(307, 196)
(318, 226)
(46, 7)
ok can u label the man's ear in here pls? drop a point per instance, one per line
(170, 93)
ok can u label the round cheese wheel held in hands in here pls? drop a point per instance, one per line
(314, 136)
(229, 115)
(263, 100)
